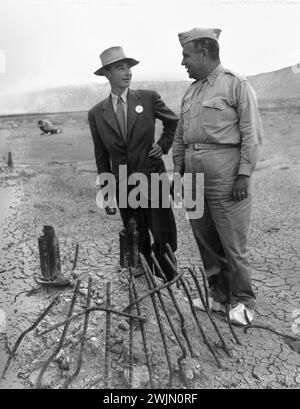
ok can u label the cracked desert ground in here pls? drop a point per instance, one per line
(53, 183)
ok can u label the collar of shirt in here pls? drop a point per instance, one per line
(212, 76)
(123, 96)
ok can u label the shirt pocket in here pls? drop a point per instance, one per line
(217, 112)
(185, 115)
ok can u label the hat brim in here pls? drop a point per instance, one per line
(131, 61)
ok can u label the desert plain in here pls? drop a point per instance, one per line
(53, 183)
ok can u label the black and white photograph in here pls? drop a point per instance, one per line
(149, 197)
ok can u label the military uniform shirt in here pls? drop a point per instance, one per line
(221, 109)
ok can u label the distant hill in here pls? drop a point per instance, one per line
(276, 88)
(277, 85)
(83, 97)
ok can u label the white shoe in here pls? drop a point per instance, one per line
(237, 314)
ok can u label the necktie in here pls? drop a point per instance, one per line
(120, 114)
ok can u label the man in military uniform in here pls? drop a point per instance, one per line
(219, 134)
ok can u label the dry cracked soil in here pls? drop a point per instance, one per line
(52, 183)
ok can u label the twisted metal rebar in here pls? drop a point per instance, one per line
(171, 254)
(153, 291)
(207, 310)
(230, 325)
(91, 309)
(31, 328)
(206, 341)
(144, 336)
(227, 305)
(184, 354)
(158, 317)
(173, 259)
(58, 348)
(107, 335)
(280, 334)
(205, 287)
(130, 332)
(205, 304)
(70, 379)
(181, 316)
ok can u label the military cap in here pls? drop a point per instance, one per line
(197, 33)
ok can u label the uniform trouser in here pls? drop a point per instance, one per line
(221, 233)
(161, 223)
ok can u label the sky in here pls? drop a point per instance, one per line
(47, 43)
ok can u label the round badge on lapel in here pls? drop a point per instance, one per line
(139, 109)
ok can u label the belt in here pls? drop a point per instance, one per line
(208, 146)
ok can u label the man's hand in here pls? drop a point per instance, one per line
(240, 188)
(156, 151)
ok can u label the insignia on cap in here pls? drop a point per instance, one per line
(139, 109)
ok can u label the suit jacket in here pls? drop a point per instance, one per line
(110, 148)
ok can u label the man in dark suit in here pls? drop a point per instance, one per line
(123, 129)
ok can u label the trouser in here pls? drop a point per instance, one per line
(162, 225)
(221, 233)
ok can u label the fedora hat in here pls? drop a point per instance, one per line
(111, 55)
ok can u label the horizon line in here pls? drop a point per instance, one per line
(94, 82)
